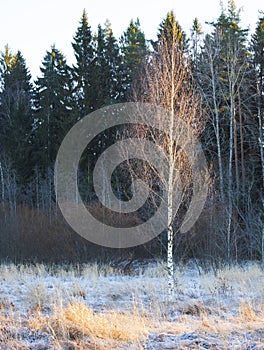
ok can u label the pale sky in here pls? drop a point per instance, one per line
(32, 26)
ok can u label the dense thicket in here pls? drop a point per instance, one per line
(225, 67)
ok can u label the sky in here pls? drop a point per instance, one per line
(33, 26)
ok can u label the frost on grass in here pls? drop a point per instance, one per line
(99, 307)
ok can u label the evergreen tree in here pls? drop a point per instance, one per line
(54, 106)
(133, 46)
(108, 74)
(107, 85)
(84, 70)
(101, 68)
(171, 33)
(196, 34)
(16, 114)
(114, 62)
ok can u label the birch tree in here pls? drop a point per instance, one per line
(166, 82)
(209, 82)
(224, 78)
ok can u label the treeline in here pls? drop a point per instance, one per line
(225, 67)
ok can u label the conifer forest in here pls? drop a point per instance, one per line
(213, 80)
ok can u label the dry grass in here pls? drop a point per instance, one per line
(9, 329)
(247, 319)
(96, 305)
(77, 320)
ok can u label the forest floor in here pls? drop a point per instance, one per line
(101, 307)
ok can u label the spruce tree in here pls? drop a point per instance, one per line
(133, 46)
(16, 115)
(114, 63)
(107, 68)
(84, 70)
(196, 34)
(54, 107)
(101, 68)
(171, 33)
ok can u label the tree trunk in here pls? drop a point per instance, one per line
(230, 182)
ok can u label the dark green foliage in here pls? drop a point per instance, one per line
(108, 65)
(196, 35)
(84, 70)
(34, 118)
(171, 33)
(16, 115)
(54, 107)
(133, 45)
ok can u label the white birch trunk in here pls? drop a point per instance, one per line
(230, 193)
(170, 265)
(261, 146)
(2, 185)
(217, 131)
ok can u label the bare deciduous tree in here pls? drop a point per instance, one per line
(166, 82)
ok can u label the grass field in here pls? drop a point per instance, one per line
(101, 307)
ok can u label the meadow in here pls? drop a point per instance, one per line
(92, 306)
